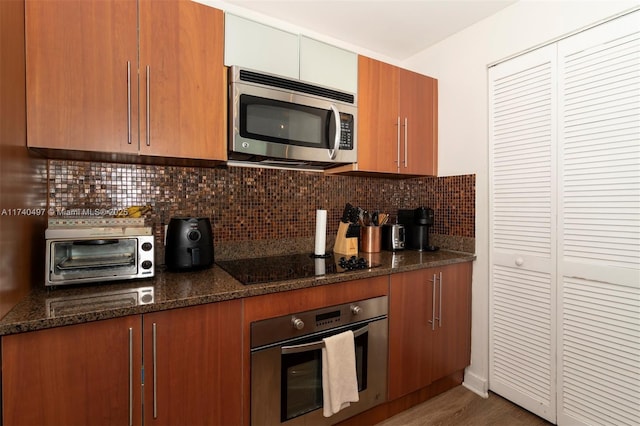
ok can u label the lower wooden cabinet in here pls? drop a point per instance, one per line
(429, 326)
(92, 374)
(196, 376)
(451, 349)
(185, 366)
(87, 374)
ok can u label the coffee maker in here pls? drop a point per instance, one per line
(417, 223)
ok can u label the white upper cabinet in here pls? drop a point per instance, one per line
(327, 65)
(260, 47)
(257, 46)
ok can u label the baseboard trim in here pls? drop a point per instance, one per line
(476, 384)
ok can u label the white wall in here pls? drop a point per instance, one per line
(460, 64)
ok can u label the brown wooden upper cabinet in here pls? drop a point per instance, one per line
(397, 120)
(101, 79)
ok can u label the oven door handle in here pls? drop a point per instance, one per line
(314, 346)
(99, 242)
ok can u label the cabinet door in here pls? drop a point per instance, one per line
(74, 375)
(327, 65)
(81, 75)
(193, 360)
(260, 47)
(419, 124)
(452, 336)
(182, 79)
(378, 119)
(410, 330)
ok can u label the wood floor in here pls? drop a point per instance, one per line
(461, 407)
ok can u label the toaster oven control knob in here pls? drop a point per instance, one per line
(146, 264)
(356, 310)
(297, 323)
(147, 246)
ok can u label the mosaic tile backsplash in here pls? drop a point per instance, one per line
(246, 204)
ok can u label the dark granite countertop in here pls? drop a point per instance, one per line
(175, 290)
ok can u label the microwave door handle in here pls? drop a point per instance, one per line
(314, 346)
(336, 141)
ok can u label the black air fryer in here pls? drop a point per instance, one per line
(417, 223)
(189, 244)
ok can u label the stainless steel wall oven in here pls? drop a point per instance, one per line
(286, 362)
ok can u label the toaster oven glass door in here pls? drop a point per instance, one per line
(96, 258)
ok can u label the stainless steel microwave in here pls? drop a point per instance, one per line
(90, 252)
(280, 122)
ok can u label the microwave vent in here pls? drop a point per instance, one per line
(298, 86)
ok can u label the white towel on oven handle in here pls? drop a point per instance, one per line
(339, 377)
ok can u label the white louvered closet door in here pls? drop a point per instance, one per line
(599, 223)
(522, 111)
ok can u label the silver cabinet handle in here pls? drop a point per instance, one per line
(148, 106)
(440, 302)
(130, 376)
(129, 102)
(406, 135)
(155, 371)
(398, 139)
(336, 143)
(432, 321)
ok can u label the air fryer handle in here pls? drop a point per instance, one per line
(195, 255)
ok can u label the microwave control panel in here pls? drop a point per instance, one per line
(346, 131)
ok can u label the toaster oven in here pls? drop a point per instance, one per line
(85, 251)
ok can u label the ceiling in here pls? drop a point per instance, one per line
(397, 29)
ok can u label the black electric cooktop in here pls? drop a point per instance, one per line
(262, 270)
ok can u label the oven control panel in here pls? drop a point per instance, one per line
(329, 318)
(300, 324)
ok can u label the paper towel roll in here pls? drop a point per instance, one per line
(321, 232)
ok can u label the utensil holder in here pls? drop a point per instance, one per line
(370, 239)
